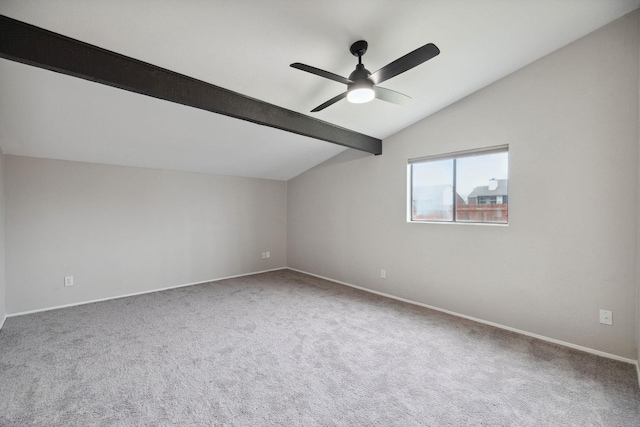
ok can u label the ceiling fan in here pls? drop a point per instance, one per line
(362, 85)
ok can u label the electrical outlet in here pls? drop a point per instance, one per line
(264, 255)
(268, 254)
(68, 281)
(383, 274)
(606, 317)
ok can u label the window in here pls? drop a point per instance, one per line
(488, 200)
(469, 186)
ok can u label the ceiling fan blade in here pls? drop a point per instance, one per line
(321, 73)
(405, 63)
(329, 102)
(391, 96)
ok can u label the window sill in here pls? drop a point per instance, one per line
(490, 224)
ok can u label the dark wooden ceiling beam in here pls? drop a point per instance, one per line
(35, 46)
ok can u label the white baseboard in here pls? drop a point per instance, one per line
(39, 310)
(475, 319)
(2, 322)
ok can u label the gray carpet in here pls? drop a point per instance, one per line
(283, 348)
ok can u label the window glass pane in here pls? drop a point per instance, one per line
(432, 190)
(481, 182)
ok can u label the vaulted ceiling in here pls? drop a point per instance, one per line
(247, 47)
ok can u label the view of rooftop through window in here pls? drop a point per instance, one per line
(478, 180)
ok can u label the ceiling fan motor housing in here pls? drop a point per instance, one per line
(360, 73)
(361, 90)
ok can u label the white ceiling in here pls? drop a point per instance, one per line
(247, 46)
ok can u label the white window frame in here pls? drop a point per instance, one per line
(447, 156)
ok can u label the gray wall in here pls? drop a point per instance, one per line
(3, 288)
(638, 248)
(122, 230)
(571, 122)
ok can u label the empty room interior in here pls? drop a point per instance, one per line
(211, 213)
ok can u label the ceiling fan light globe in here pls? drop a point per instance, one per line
(360, 95)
